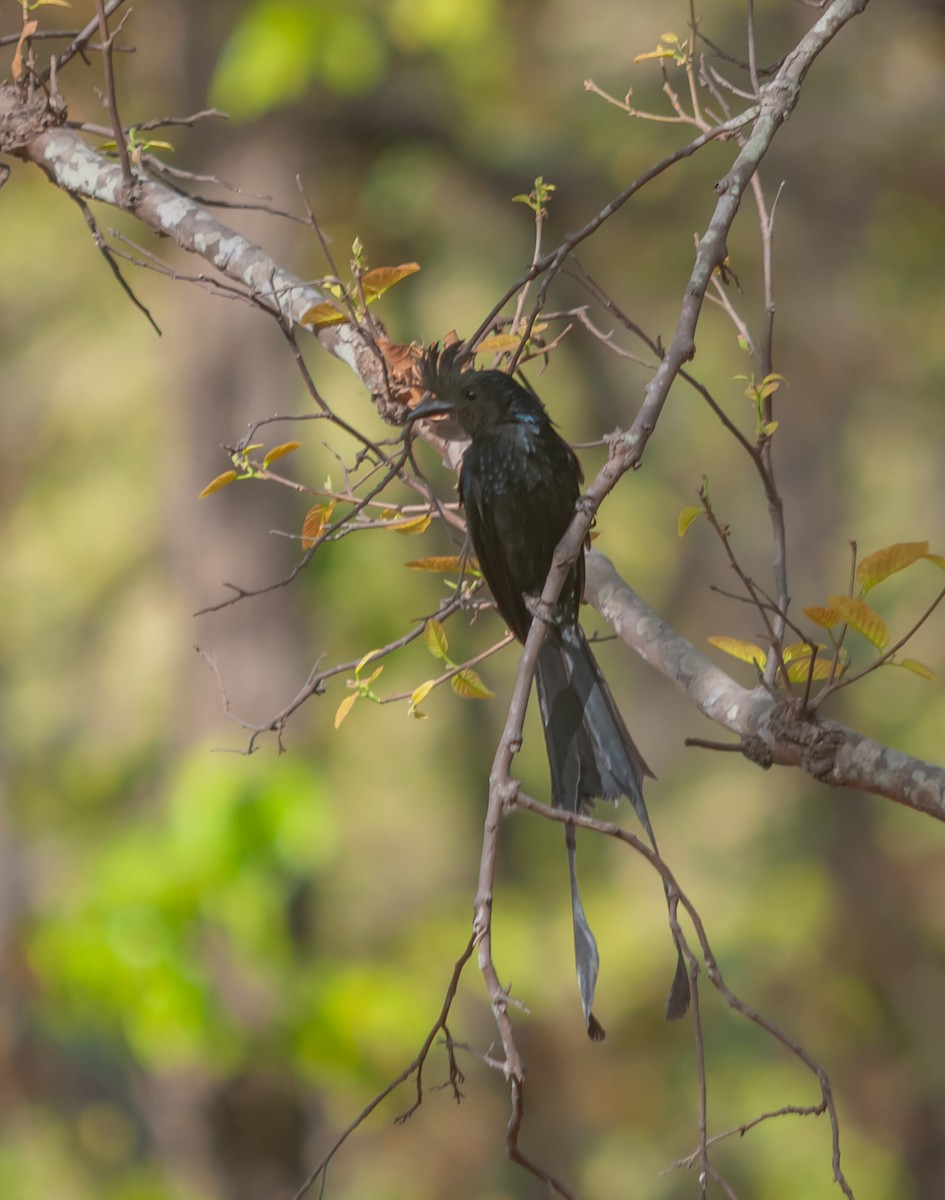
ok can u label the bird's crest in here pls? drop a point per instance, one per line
(441, 369)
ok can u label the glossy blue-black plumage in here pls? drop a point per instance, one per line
(519, 483)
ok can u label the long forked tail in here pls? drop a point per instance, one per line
(592, 756)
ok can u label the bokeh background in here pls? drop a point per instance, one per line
(211, 962)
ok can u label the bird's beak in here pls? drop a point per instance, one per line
(431, 406)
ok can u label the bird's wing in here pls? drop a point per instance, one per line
(493, 560)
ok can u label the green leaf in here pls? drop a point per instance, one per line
(862, 618)
(435, 637)
(466, 683)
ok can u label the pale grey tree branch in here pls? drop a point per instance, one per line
(772, 730)
(30, 131)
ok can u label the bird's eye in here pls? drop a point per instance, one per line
(469, 393)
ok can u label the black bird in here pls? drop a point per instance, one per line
(519, 483)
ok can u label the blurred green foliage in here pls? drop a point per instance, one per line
(213, 961)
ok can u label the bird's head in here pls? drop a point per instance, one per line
(475, 400)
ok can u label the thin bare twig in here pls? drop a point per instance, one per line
(109, 255)
(80, 42)
(111, 97)
(414, 1068)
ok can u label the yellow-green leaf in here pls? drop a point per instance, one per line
(769, 385)
(375, 283)
(499, 341)
(862, 618)
(279, 451)
(769, 427)
(825, 617)
(799, 650)
(315, 521)
(686, 518)
(215, 485)
(882, 563)
(466, 683)
(414, 525)
(441, 563)
(344, 708)
(659, 52)
(937, 559)
(323, 314)
(916, 668)
(799, 670)
(360, 667)
(435, 637)
(420, 693)
(746, 651)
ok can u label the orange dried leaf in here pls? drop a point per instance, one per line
(323, 314)
(29, 28)
(375, 283)
(315, 521)
(746, 651)
(882, 563)
(215, 485)
(440, 563)
(862, 618)
(279, 451)
(825, 617)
